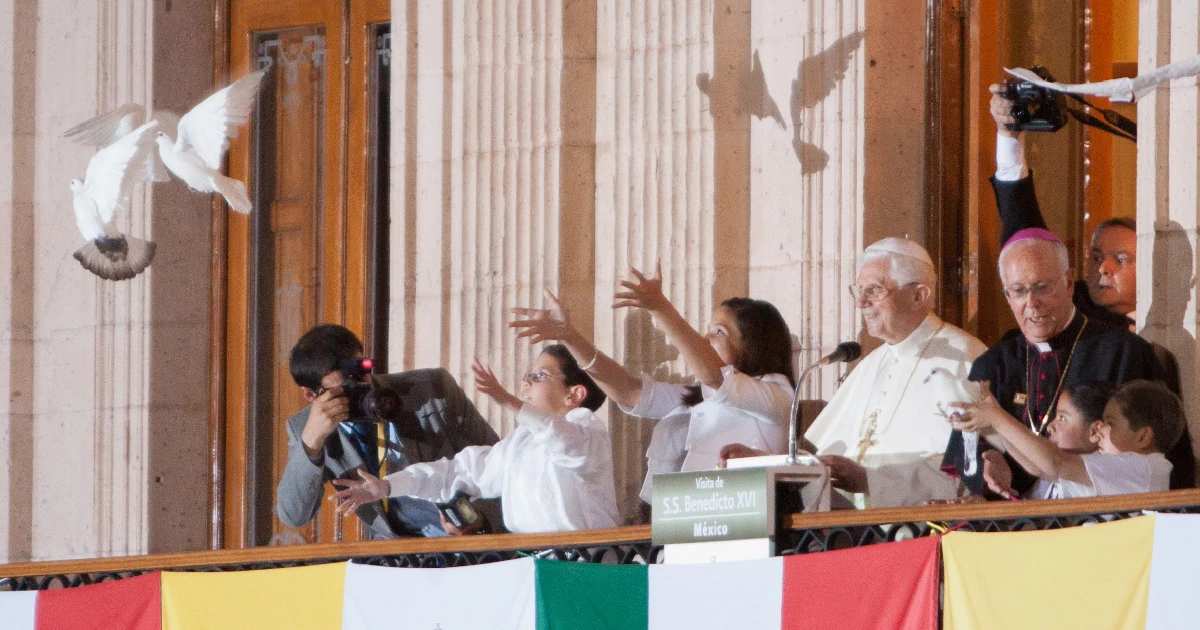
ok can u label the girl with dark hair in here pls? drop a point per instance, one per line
(1074, 429)
(742, 365)
(1142, 420)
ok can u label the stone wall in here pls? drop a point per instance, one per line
(728, 139)
(104, 419)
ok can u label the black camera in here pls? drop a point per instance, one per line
(459, 512)
(369, 402)
(1035, 108)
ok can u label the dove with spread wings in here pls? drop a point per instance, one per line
(200, 140)
(126, 157)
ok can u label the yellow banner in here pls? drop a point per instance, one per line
(1079, 577)
(300, 597)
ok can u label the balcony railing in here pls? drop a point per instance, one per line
(803, 533)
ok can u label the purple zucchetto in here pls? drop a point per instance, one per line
(1037, 234)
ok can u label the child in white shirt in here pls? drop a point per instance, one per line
(552, 473)
(1141, 421)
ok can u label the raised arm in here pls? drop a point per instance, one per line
(554, 324)
(1036, 454)
(646, 293)
(1016, 199)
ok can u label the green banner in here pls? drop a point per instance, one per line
(709, 505)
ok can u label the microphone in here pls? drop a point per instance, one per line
(844, 353)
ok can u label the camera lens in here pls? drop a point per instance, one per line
(381, 403)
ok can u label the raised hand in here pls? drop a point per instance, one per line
(979, 416)
(1002, 111)
(358, 492)
(487, 383)
(643, 292)
(544, 324)
(330, 408)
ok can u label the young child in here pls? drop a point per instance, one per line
(552, 473)
(1141, 421)
(1075, 428)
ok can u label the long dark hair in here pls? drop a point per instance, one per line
(766, 343)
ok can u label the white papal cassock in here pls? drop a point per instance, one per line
(886, 414)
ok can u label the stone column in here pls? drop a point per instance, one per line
(807, 92)
(1168, 206)
(18, 29)
(476, 212)
(100, 376)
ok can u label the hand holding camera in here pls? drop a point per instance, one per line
(1029, 107)
(330, 408)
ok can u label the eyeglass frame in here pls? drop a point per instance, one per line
(1024, 292)
(886, 291)
(539, 376)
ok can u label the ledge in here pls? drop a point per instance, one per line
(334, 552)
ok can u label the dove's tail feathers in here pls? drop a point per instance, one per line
(116, 259)
(141, 252)
(234, 192)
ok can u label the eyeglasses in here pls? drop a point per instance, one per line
(1038, 289)
(874, 292)
(539, 376)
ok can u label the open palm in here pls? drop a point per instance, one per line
(543, 324)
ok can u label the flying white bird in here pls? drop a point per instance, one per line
(105, 188)
(200, 140)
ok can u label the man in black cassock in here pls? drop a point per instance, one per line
(1108, 291)
(1058, 345)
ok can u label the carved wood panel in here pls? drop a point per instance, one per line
(304, 255)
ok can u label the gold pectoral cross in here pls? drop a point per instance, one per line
(868, 439)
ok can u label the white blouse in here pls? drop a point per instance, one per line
(552, 473)
(750, 410)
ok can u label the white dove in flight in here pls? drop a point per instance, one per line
(201, 138)
(105, 188)
(106, 129)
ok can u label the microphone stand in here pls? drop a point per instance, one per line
(791, 458)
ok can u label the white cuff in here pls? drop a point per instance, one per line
(1010, 158)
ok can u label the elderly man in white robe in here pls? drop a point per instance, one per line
(884, 432)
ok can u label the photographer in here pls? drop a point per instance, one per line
(435, 420)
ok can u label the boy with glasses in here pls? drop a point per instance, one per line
(552, 473)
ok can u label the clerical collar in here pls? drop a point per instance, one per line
(915, 342)
(1065, 338)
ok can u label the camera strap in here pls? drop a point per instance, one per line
(1113, 122)
(382, 442)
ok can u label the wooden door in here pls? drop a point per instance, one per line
(306, 254)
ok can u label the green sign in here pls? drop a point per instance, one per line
(710, 505)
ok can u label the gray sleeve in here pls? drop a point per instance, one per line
(303, 483)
